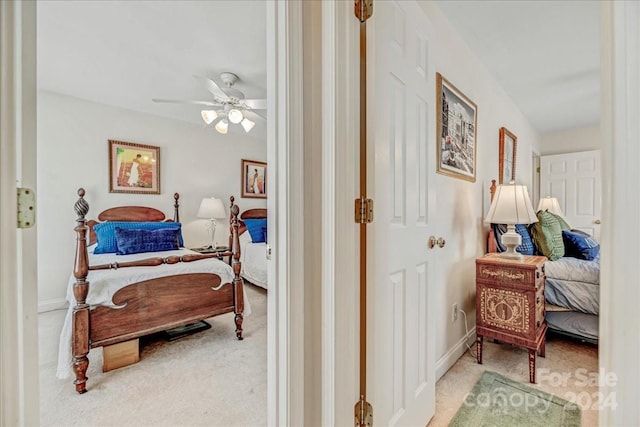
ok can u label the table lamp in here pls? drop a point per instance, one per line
(212, 209)
(550, 204)
(511, 205)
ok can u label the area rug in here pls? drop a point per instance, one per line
(498, 401)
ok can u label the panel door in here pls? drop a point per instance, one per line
(401, 338)
(574, 179)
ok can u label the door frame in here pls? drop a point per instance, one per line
(19, 404)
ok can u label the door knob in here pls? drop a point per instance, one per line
(441, 242)
(432, 242)
(597, 221)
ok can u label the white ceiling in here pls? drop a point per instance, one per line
(125, 53)
(545, 55)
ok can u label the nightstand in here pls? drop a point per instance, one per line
(510, 304)
(220, 251)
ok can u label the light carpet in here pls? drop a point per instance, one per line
(209, 378)
(497, 401)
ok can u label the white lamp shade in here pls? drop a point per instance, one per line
(511, 205)
(222, 126)
(247, 124)
(235, 116)
(211, 208)
(209, 116)
(550, 204)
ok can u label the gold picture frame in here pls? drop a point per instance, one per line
(133, 168)
(507, 156)
(456, 131)
(254, 179)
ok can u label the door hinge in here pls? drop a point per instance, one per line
(363, 9)
(26, 208)
(538, 169)
(363, 211)
(363, 413)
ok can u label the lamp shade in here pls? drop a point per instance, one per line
(511, 205)
(550, 204)
(211, 208)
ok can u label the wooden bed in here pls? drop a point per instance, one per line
(152, 305)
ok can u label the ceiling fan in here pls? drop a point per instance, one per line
(229, 105)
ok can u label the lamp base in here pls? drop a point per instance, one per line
(511, 240)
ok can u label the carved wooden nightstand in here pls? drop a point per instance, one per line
(510, 304)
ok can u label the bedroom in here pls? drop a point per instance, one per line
(487, 167)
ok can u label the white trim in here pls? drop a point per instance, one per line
(340, 275)
(451, 357)
(285, 382)
(53, 304)
(619, 294)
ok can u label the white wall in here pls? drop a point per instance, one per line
(73, 152)
(461, 205)
(570, 141)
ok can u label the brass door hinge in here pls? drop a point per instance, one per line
(363, 211)
(363, 9)
(26, 208)
(363, 413)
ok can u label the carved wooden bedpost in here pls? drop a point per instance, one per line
(80, 335)
(238, 290)
(176, 206)
(492, 189)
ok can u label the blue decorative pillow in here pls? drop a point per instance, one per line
(106, 233)
(578, 245)
(525, 248)
(257, 229)
(136, 241)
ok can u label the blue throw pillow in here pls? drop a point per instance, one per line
(136, 241)
(257, 229)
(106, 233)
(525, 248)
(578, 245)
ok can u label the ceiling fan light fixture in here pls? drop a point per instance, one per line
(209, 116)
(222, 126)
(247, 124)
(235, 116)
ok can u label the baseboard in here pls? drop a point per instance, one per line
(52, 304)
(451, 357)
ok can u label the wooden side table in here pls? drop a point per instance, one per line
(510, 304)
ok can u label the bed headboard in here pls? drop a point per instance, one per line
(258, 213)
(133, 213)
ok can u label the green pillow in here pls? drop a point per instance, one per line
(547, 236)
(563, 223)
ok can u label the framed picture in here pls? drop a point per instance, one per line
(254, 179)
(507, 156)
(133, 168)
(456, 131)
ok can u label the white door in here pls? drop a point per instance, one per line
(574, 179)
(401, 332)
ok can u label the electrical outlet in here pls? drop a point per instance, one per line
(454, 312)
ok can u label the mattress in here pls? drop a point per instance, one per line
(577, 296)
(573, 269)
(105, 283)
(254, 261)
(574, 323)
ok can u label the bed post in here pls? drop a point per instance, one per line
(80, 319)
(491, 238)
(238, 295)
(176, 205)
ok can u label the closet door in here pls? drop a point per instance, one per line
(574, 179)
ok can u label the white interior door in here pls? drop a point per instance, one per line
(401, 332)
(574, 179)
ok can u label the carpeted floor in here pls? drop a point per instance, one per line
(566, 372)
(209, 378)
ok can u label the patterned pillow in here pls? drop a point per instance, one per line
(563, 224)
(136, 241)
(106, 233)
(578, 245)
(525, 248)
(547, 236)
(257, 229)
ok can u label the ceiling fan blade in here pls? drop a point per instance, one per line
(256, 104)
(254, 113)
(177, 101)
(213, 87)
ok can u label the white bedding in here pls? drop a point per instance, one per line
(105, 283)
(254, 261)
(574, 269)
